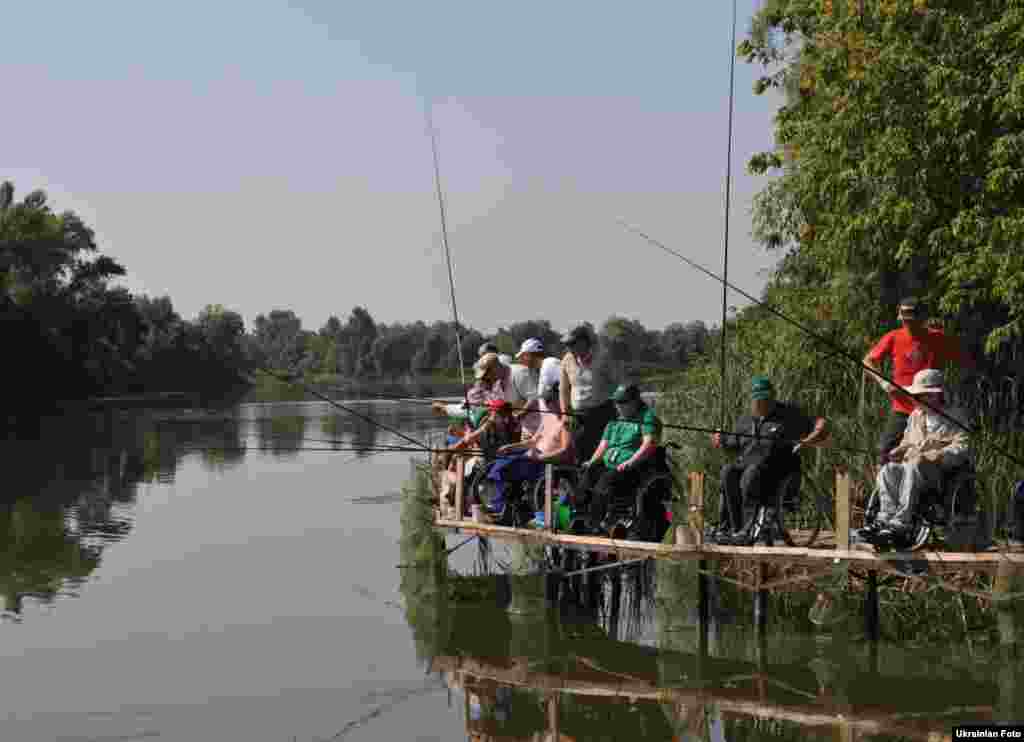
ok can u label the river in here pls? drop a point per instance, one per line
(238, 576)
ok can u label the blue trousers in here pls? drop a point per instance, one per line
(512, 468)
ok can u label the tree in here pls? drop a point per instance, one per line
(280, 339)
(675, 344)
(222, 331)
(627, 340)
(899, 156)
(57, 306)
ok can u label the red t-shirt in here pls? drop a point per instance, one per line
(911, 354)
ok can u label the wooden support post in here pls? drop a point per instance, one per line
(842, 509)
(694, 512)
(614, 611)
(703, 604)
(1007, 581)
(871, 618)
(553, 728)
(549, 496)
(761, 600)
(460, 478)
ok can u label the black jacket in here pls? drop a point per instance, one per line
(770, 440)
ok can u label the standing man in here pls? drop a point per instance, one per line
(524, 384)
(912, 348)
(767, 439)
(585, 391)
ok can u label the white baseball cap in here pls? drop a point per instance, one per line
(530, 345)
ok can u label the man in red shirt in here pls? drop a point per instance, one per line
(912, 348)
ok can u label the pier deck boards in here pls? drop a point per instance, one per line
(865, 555)
(830, 546)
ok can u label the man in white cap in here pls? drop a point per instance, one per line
(932, 444)
(523, 384)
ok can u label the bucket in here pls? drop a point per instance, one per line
(564, 517)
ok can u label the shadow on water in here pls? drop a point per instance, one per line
(623, 654)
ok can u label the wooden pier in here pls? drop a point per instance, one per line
(833, 546)
(835, 554)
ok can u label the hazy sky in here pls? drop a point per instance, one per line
(269, 154)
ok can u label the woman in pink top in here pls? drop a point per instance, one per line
(551, 444)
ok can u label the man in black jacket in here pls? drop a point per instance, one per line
(768, 440)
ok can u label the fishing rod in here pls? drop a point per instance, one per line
(837, 349)
(339, 449)
(728, 193)
(664, 425)
(447, 250)
(344, 408)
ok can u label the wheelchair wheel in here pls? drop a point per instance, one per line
(798, 519)
(798, 522)
(649, 522)
(481, 490)
(564, 487)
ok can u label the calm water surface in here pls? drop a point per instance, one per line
(186, 577)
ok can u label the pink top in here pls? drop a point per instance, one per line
(549, 435)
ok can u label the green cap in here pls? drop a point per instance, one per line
(626, 392)
(761, 388)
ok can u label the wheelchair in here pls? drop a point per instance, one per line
(785, 513)
(949, 509)
(643, 514)
(518, 510)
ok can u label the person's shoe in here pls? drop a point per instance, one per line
(619, 532)
(726, 537)
(716, 535)
(578, 527)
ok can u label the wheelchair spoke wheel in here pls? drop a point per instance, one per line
(652, 495)
(799, 522)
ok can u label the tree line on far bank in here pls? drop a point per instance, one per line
(78, 336)
(359, 347)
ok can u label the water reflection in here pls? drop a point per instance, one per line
(71, 489)
(622, 656)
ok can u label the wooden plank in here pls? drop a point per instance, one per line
(460, 478)
(964, 560)
(549, 496)
(842, 509)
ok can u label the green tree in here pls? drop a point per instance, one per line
(898, 159)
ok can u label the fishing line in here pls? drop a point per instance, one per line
(665, 425)
(836, 349)
(344, 408)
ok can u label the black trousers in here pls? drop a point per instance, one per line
(589, 427)
(892, 434)
(746, 482)
(603, 485)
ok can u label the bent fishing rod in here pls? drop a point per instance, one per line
(836, 349)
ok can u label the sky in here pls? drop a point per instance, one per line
(274, 155)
